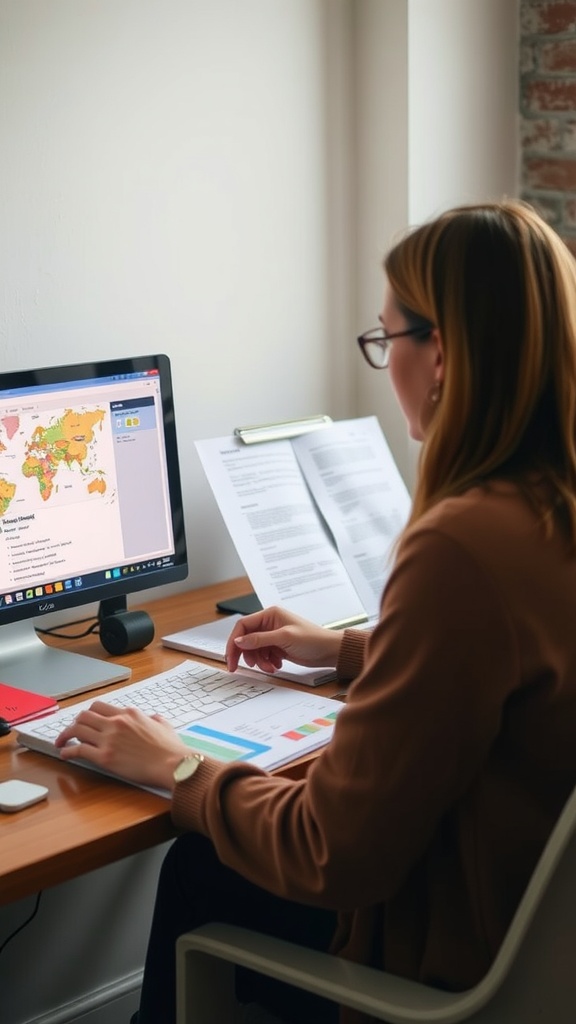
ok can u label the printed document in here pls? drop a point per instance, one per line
(313, 518)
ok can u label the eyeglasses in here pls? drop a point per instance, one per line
(375, 344)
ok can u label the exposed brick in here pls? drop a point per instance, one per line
(569, 217)
(550, 209)
(528, 57)
(547, 17)
(551, 174)
(569, 136)
(570, 241)
(541, 135)
(547, 70)
(559, 56)
(542, 94)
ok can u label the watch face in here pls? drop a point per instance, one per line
(187, 767)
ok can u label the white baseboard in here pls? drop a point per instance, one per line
(111, 1004)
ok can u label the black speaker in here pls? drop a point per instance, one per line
(126, 631)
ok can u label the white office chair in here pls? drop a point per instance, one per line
(532, 980)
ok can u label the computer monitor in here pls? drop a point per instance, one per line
(90, 506)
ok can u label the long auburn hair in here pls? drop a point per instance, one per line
(500, 286)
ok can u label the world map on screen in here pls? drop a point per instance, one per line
(59, 449)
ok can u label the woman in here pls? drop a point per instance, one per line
(411, 840)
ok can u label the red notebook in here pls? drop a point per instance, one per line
(18, 705)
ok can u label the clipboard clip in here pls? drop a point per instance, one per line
(279, 431)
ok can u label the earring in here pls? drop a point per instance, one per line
(435, 393)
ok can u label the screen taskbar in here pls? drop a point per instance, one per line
(49, 591)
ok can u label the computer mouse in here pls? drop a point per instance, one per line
(4, 727)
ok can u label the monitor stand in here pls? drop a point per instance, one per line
(26, 661)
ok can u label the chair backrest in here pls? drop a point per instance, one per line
(533, 977)
(532, 980)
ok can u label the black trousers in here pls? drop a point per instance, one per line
(195, 888)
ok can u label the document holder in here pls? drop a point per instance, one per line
(282, 430)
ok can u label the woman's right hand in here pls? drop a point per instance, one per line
(267, 637)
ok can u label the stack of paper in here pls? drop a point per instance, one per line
(210, 641)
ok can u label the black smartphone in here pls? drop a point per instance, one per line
(244, 605)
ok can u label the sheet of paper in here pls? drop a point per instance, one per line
(274, 726)
(278, 533)
(281, 726)
(359, 490)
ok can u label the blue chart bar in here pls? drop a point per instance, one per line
(221, 745)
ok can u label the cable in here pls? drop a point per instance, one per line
(23, 925)
(53, 631)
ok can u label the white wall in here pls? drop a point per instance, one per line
(382, 187)
(80, 958)
(462, 133)
(437, 115)
(219, 180)
(166, 185)
(174, 177)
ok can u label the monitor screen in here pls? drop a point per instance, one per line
(90, 503)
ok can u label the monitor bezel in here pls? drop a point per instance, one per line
(122, 588)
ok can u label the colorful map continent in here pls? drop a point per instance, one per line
(64, 443)
(7, 492)
(10, 424)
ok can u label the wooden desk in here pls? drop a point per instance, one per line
(90, 820)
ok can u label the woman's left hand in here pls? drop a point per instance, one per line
(138, 747)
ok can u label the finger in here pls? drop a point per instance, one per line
(72, 746)
(163, 721)
(268, 660)
(67, 734)
(64, 737)
(232, 653)
(259, 624)
(232, 656)
(92, 718)
(99, 709)
(254, 641)
(73, 750)
(77, 751)
(86, 727)
(107, 710)
(249, 624)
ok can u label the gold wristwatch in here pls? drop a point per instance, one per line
(187, 767)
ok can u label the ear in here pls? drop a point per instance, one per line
(436, 339)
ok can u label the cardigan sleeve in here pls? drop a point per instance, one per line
(352, 653)
(417, 727)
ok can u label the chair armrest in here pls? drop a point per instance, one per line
(205, 972)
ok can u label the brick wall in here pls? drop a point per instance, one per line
(548, 111)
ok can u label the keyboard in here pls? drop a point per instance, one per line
(188, 693)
